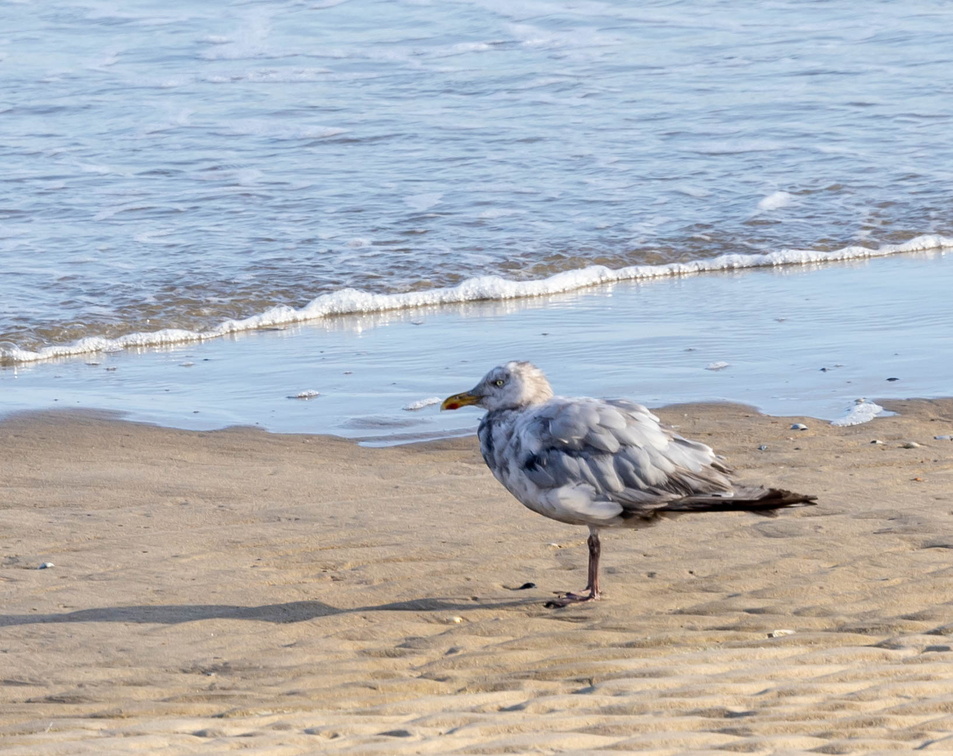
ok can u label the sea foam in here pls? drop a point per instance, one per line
(775, 201)
(863, 411)
(483, 288)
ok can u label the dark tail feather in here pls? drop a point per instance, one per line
(758, 500)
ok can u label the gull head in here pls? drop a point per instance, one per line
(511, 386)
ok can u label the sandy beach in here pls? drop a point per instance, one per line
(282, 594)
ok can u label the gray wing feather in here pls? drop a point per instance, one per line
(602, 438)
(621, 450)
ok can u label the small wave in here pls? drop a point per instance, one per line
(484, 288)
(863, 411)
(775, 201)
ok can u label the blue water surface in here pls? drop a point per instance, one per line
(177, 164)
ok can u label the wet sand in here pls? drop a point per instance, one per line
(280, 594)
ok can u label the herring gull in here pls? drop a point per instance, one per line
(601, 463)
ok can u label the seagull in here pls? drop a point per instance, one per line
(604, 463)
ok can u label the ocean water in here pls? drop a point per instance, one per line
(793, 340)
(190, 177)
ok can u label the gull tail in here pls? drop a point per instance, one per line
(762, 501)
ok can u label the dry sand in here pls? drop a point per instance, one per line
(236, 590)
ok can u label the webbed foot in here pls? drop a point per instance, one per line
(567, 599)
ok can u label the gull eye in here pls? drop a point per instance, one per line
(498, 382)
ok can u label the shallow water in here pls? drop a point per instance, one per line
(177, 166)
(796, 340)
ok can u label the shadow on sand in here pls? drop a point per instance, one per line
(295, 611)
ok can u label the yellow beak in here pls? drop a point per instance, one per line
(460, 400)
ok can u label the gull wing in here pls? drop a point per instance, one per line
(618, 448)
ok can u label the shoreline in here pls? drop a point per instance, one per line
(788, 342)
(296, 593)
(352, 302)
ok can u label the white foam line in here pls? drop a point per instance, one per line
(484, 288)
